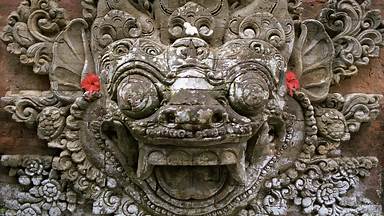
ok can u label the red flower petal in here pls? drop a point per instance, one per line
(291, 82)
(91, 83)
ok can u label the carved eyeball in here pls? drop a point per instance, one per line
(205, 27)
(150, 48)
(122, 49)
(248, 93)
(176, 28)
(137, 96)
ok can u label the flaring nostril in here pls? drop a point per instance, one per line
(217, 117)
(169, 117)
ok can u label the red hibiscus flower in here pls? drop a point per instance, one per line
(292, 82)
(91, 83)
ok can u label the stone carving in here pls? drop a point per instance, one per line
(26, 106)
(31, 30)
(357, 34)
(42, 192)
(182, 108)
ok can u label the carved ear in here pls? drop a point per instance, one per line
(72, 58)
(312, 59)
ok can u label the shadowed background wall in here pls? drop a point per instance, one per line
(15, 138)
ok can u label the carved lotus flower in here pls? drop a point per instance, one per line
(28, 210)
(50, 190)
(33, 167)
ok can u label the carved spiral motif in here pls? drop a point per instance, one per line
(122, 48)
(132, 28)
(263, 26)
(357, 33)
(137, 96)
(118, 25)
(248, 93)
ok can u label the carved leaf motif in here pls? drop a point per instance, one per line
(312, 59)
(356, 31)
(295, 9)
(320, 187)
(357, 108)
(72, 58)
(31, 30)
(360, 108)
(26, 106)
(106, 203)
(40, 56)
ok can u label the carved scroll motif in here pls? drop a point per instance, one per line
(357, 34)
(25, 108)
(31, 30)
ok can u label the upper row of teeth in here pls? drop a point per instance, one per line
(206, 133)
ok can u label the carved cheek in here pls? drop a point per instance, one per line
(137, 96)
(248, 93)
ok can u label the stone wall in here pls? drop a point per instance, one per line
(17, 139)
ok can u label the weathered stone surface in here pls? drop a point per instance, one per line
(191, 115)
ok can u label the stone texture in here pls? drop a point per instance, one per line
(16, 139)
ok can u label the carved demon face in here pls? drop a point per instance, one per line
(192, 108)
(197, 112)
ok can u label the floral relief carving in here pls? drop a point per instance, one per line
(192, 108)
(43, 193)
(357, 32)
(31, 30)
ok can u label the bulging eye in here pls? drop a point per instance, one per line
(137, 96)
(248, 93)
(122, 49)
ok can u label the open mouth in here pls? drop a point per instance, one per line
(193, 173)
(192, 164)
